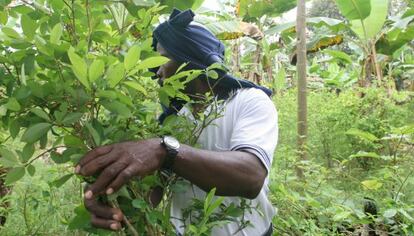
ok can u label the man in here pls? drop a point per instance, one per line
(237, 148)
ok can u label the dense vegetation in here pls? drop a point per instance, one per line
(74, 75)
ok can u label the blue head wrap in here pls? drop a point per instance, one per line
(187, 42)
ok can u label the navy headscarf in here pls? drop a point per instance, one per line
(191, 43)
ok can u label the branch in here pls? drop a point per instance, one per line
(41, 154)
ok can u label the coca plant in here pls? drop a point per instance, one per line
(74, 76)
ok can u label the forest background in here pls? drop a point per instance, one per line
(74, 75)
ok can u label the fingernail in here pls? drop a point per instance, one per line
(88, 194)
(109, 191)
(114, 226)
(77, 169)
(117, 217)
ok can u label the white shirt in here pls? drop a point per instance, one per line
(248, 123)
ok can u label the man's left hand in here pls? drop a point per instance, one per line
(118, 163)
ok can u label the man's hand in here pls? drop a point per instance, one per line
(103, 216)
(118, 163)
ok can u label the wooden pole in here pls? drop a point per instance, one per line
(302, 87)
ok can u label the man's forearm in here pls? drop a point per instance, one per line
(232, 173)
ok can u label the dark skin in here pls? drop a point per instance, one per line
(232, 173)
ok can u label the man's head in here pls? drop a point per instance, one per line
(168, 69)
(188, 42)
(184, 41)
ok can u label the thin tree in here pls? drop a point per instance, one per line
(301, 73)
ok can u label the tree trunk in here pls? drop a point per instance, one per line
(236, 57)
(254, 73)
(301, 72)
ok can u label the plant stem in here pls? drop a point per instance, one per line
(402, 185)
(41, 154)
(131, 228)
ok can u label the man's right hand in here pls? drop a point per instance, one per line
(103, 216)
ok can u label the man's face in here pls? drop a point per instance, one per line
(168, 69)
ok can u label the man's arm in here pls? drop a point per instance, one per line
(233, 173)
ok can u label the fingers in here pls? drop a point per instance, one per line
(99, 163)
(106, 177)
(103, 212)
(123, 177)
(105, 224)
(93, 154)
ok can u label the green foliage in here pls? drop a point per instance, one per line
(369, 27)
(355, 9)
(399, 34)
(358, 148)
(270, 8)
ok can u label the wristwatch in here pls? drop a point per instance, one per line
(172, 145)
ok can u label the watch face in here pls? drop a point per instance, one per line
(171, 142)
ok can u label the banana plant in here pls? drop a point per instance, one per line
(366, 19)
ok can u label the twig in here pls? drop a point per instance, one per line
(402, 185)
(130, 227)
(41, 154)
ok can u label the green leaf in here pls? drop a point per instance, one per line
(152, 62)
(43, 141)
(14, 175)
(72, 141)
(144, 3)
(60, 181)
(362, 134)
(139, 203)
(42, 46)
(339, 55)
(95, 135)
(209, 198)
(96, 70)
(132, 57)
(35, 132)
(29, 26)
(8, 158)
(341, 216)
(28, 152)
(256, 9)
(214, 205)
(13, 105)
(136, 86)
(406, 215)
(390, 213)
(365, 154)
(81, 220)
(56, 33)
(3, 17)
(72, 118)
(79, 67)
(118, 108)
(115, 74)
(371, 184)
(61, 158)
(10, 32)
(40, 113)
(14, 128)
(31, 170)
(354, 9)
(372, 25)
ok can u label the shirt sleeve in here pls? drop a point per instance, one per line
(255, 128)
